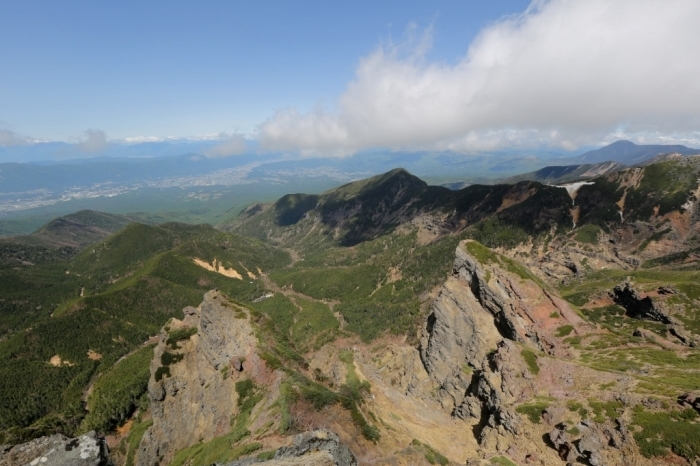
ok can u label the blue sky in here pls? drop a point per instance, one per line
(186, 68)
(332, 78)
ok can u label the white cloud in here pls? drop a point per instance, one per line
(564, 73)
(10, 138)
(95, 141)
(231, 144)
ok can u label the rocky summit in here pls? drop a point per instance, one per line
(383, 322)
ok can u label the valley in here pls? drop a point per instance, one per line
(385, 321)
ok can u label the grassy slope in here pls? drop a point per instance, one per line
(132, 283)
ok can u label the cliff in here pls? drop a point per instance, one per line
(193, 398)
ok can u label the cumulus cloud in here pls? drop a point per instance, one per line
(231, 144)
(563, 73)
(95, 141)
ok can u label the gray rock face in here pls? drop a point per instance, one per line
(58, 450)
(460, 335)
(471, 348)
(562, 443)
(199, 398)
(320, 447)
(468, 347)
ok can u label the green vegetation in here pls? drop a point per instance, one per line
(178, 335)
(494, 233)
(486, 256)
(119, 292)
(166, 360)
(287, 397)
(432, 456)
(604, 409)
(502, 461)
(266, 455)
(352, 394)
(371, 300)
(315, 325)
(589, 234)
(665, 185)
(354, 389)
(115, 295)
(119, 391)
(292, 207)
(133, 440)
(677, 431)
(575, 406)
(531, 360)
(669, 259)
(533, 411)
(245, 389)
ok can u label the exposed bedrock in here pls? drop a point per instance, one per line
(480, 322)
(314, 448)
(194, 401)
(58, 450)
(639, 306)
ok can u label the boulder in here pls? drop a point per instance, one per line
(58, 450)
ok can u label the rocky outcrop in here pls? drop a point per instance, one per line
(690, 400)
(315, 448)
(472, 341)
(196, 398)
(640, 306)
(594, 444)
(58, 450)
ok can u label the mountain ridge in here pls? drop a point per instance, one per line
(361, 305)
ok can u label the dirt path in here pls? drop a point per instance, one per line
(294, 255)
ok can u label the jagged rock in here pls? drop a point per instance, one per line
(469, 345)
(562, 443)
(470, 408)
(589, 446)
(638, 306)
(683, 335)
(196, 401)
(460, 333)
(315, 448)
(58, 450)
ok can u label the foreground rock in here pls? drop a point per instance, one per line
(316, 448)
(58, 450)
(196, 398)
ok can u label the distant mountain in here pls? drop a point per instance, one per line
(74, 230)
(52, 152)
(561, 174)
(629, 153)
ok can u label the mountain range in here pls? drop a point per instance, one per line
(383, 321)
